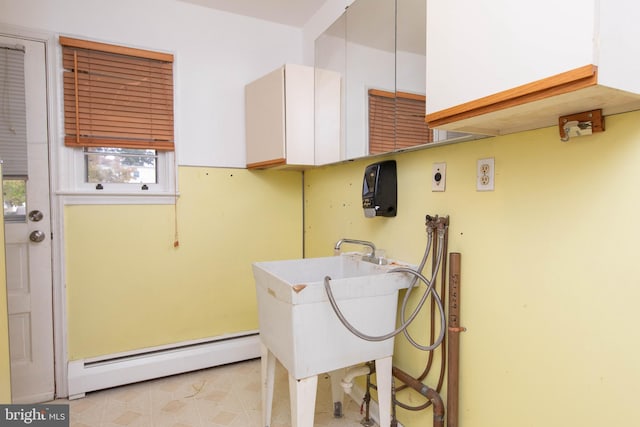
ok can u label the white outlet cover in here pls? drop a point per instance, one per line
(485, 174)
(438, 177)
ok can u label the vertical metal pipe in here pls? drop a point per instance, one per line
(443, 296)
(367, 421)
(454, 330)
(394, 420)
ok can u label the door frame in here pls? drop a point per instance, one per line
(54, 126)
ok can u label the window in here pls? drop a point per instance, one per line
(120, 165)
(118, 116)
(14, 194)
(13, 132)
(396, 121)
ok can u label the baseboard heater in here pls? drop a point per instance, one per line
(110, 371)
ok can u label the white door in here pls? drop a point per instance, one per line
(28, 262)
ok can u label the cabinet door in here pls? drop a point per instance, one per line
(299, 114)
(328, 114)
(265, 119)
(477, 48)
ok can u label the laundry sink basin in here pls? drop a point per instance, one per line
(298, 324)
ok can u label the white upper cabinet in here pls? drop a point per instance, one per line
(500, 66)
(279, 118)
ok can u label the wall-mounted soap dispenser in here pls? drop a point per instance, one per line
(379, 189)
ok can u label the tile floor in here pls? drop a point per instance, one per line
(227, 395)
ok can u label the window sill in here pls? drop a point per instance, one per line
(112, 198)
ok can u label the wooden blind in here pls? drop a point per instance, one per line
(13, 113)
(396, 121)
(116, 96)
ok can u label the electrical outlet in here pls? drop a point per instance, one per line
(485, 174)
(438, 176)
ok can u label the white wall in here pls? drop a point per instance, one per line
(410, 69)
(320, 21)
(216, 55)
(367, 69)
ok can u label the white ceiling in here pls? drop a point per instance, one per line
(295, 13)
(410, 14)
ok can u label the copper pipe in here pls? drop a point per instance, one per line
(432, 332)
(454, 340)
(366, 400)
(443, 290)
(429, 393)
(367, 403)
(433, 396)
(442, 223)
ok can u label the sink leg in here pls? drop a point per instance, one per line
(337, 392)
(303, 400)
(268, 369)
(383, 381)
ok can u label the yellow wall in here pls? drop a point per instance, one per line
(550, 280)
(5, 367)
(129, 288)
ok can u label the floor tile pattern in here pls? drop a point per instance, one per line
(224, 396)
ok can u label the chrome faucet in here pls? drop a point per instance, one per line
(370, 257)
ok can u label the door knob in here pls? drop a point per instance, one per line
(37, 236)
(35, 215)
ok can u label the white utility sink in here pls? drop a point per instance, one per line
(299, 327)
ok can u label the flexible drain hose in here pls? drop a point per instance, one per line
(436, 297)
(417, 275)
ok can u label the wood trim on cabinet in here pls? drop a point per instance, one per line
(578, 78)
(267, 164)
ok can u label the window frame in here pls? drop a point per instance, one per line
(72, 183)
(163, 163)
